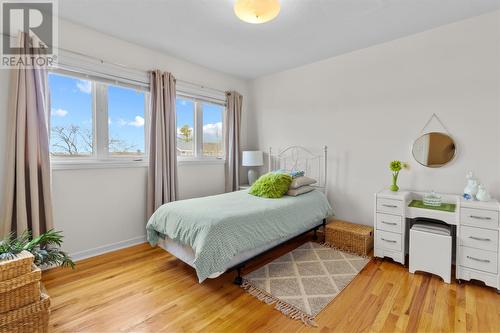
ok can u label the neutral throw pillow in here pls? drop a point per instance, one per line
(301, 181)
(271, 185)
(298, 191)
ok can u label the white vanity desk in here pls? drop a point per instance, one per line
(477, 232)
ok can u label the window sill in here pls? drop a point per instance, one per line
(200, 161)
(81, 164)
(96, 164)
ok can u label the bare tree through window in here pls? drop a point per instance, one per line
(73, 140)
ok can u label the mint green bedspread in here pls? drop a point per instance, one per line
(219, 227)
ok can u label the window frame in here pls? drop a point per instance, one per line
(101, 157)
(198, 156)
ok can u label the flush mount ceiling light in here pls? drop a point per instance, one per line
(256, 11)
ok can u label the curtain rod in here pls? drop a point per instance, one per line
(102, 61)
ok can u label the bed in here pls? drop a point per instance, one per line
(220, 233)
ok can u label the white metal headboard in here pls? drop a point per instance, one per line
(301, 158)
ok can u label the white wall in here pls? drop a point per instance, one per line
(98, 208)
(368, 106)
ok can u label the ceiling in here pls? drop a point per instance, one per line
(206, 32)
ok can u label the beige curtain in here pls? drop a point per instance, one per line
(232, 140)
(27, 201)
(162, 175)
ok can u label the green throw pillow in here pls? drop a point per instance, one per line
(271, 185)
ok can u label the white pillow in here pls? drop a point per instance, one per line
(301, 181)
(301, 190)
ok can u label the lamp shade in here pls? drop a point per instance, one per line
(252, 158)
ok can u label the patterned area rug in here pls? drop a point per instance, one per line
(302, 282)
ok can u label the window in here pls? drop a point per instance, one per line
(185, 126)
(71, 117)
(126, 121)
(213, 137)
(199, 128)
(94, 119)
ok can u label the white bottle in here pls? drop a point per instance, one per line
(471, 189)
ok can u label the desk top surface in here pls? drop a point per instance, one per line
(409, 195)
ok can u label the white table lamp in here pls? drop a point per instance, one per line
(252, 159)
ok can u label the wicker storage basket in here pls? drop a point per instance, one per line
(20, 265)
(20, 291)
(350, 237)
(29, 319)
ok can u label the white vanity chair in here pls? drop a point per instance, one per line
(431, 250)
(476, 224)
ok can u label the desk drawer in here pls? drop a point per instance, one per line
(389, 206)
(388, 240)
(387, 222)
(479, 218)
(478, 238)
(479, 259)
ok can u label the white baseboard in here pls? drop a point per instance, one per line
(107, 248)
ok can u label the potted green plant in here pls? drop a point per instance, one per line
(396, 167)
(45, 248)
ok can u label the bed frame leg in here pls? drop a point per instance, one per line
(315, 236)
(238, 280)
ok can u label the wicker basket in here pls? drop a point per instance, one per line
(350, 237)
(20, 291)
(10, 269)
(29, 319)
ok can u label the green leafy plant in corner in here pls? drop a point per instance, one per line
(45, 248)
(396, 167)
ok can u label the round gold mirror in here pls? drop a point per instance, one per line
(434, 149)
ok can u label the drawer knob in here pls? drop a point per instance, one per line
(480, 217)
(388, 240)
(389, 206)
(477, 259)
(389, 223)
(480, 239)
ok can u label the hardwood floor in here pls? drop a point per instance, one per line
(144, 289)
